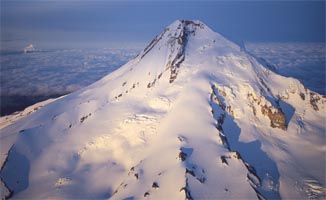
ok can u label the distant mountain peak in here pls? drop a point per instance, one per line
(29, 48)
(188, 23)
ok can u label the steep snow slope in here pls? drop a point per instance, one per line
(191, 116)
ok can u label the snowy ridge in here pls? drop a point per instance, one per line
(191, 117)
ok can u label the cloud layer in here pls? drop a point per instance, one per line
(304, 61)
(57, 72)
(28, 78)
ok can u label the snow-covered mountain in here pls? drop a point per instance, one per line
(30, 48)
(191, 117)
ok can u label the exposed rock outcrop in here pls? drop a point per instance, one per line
(275, 114)
(314, 99)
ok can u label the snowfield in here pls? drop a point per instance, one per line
(191, 117)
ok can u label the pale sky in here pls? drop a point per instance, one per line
(91, 24)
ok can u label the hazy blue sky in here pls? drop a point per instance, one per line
(74, 24)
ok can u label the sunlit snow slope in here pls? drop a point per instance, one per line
(191, 117)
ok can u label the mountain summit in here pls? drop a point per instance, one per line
(191, 117)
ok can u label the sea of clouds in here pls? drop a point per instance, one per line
(304, 61)
(27, 78)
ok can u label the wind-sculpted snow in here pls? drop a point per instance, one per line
(224, 127)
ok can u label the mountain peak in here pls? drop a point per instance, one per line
(174, 41)
(190, 117)
(188, 26)
(184, 22)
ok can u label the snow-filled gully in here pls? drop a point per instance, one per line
(220, 111)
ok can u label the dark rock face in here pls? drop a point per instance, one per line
(146, 194)
(155, 185)
(191, 172)
(149, 85)
(314, 98)
(179, 58)
(303, 97)
(182, 156)
(277, 117)
(188, 28)
(275, 114)
(177, 43)
(187, 192)
(84, 118)
(215, 97)
(153, 43)
(184, 153)
(224, 160)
